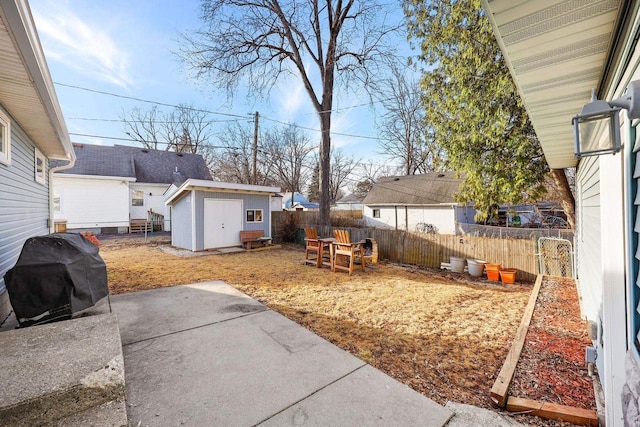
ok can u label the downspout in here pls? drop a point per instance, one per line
(69, 165)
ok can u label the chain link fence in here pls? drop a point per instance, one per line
(556, 257)
(478, 230)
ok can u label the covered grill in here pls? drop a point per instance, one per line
(55, 277)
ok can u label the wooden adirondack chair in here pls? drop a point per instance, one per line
(348, 251)
(313, 246)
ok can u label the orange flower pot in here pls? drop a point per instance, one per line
(493, 275)
(508, 276)
(492, 266)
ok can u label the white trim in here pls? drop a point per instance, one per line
(40, 177)
(246, 211)
(194, 228)
(114, 178)
(131, 192)
(5, 139)
(613, 282)
(204, 185)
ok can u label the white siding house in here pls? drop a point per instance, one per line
(110, 186)
(416, 202)
(32, 132)
(557, 53)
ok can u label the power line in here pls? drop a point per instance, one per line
(164, 104)
(210, 112)
(93, 119)
(149, 142)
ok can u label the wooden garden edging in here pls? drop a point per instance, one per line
(500, 390)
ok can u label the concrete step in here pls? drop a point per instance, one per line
(57, 370)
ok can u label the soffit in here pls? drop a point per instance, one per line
(25, 85)
(557, 52)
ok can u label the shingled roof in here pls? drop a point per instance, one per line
(145, 165)
(424, 189)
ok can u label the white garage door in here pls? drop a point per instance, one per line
(222, 223)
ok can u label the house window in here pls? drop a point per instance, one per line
(137, 198)
(5, 139)
(254, 215)
(40, 166)
(376, 213)
(56, 199)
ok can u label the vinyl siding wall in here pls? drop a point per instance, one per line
(90, 203)
(153, 199)
(181, 226)
(250, 201)
(589, 236)
(408, 217)
(24, 203)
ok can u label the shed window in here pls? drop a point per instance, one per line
(137, 198)
(5, 139)
(39, 166)
(376, 213)
(254, 215)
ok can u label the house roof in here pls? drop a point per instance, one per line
(144, 165)
(424, 189)
(26, 88)
(350, 199)
(225, 187)
(557, 52)
(100, 160)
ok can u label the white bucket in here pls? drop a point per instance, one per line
(476, 267)
(457, 264)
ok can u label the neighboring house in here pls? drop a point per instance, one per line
(305, 206)
(557, 52)
(414, 202)
(350, 202)
(276, 202)
(109, 188)
(297, 198)
(32, 131)
(209, 214)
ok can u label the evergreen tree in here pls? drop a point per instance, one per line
(313, 192)
(473, 106)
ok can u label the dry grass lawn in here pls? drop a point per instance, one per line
(443, 337)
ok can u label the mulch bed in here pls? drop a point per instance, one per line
(552, 366)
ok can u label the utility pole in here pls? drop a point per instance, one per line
(255, 149)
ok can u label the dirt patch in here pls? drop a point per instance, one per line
(552, 367)
(445, 335)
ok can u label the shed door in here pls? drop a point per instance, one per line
(222, 223)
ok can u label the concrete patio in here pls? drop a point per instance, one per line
(201, 354)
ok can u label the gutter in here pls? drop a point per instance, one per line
(69, 165)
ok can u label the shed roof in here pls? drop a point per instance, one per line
(145, 165)
(227, 187)
(424, 189)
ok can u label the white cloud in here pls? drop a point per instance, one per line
(80, 44)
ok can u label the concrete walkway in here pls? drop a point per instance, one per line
(206, 354)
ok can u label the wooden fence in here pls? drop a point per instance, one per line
(429, 250)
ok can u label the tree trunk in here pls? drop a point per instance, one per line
(325, 165)
(567, 200)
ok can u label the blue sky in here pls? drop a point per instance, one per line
(125, 48)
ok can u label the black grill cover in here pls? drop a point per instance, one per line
(56, 276)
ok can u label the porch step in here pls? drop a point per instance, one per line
(70, 369)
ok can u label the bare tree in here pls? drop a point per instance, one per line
(183, 129)
(256, 42)
(342, 166)
(366, 174)
(403, 130)
(232, 161)
(288, 150)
